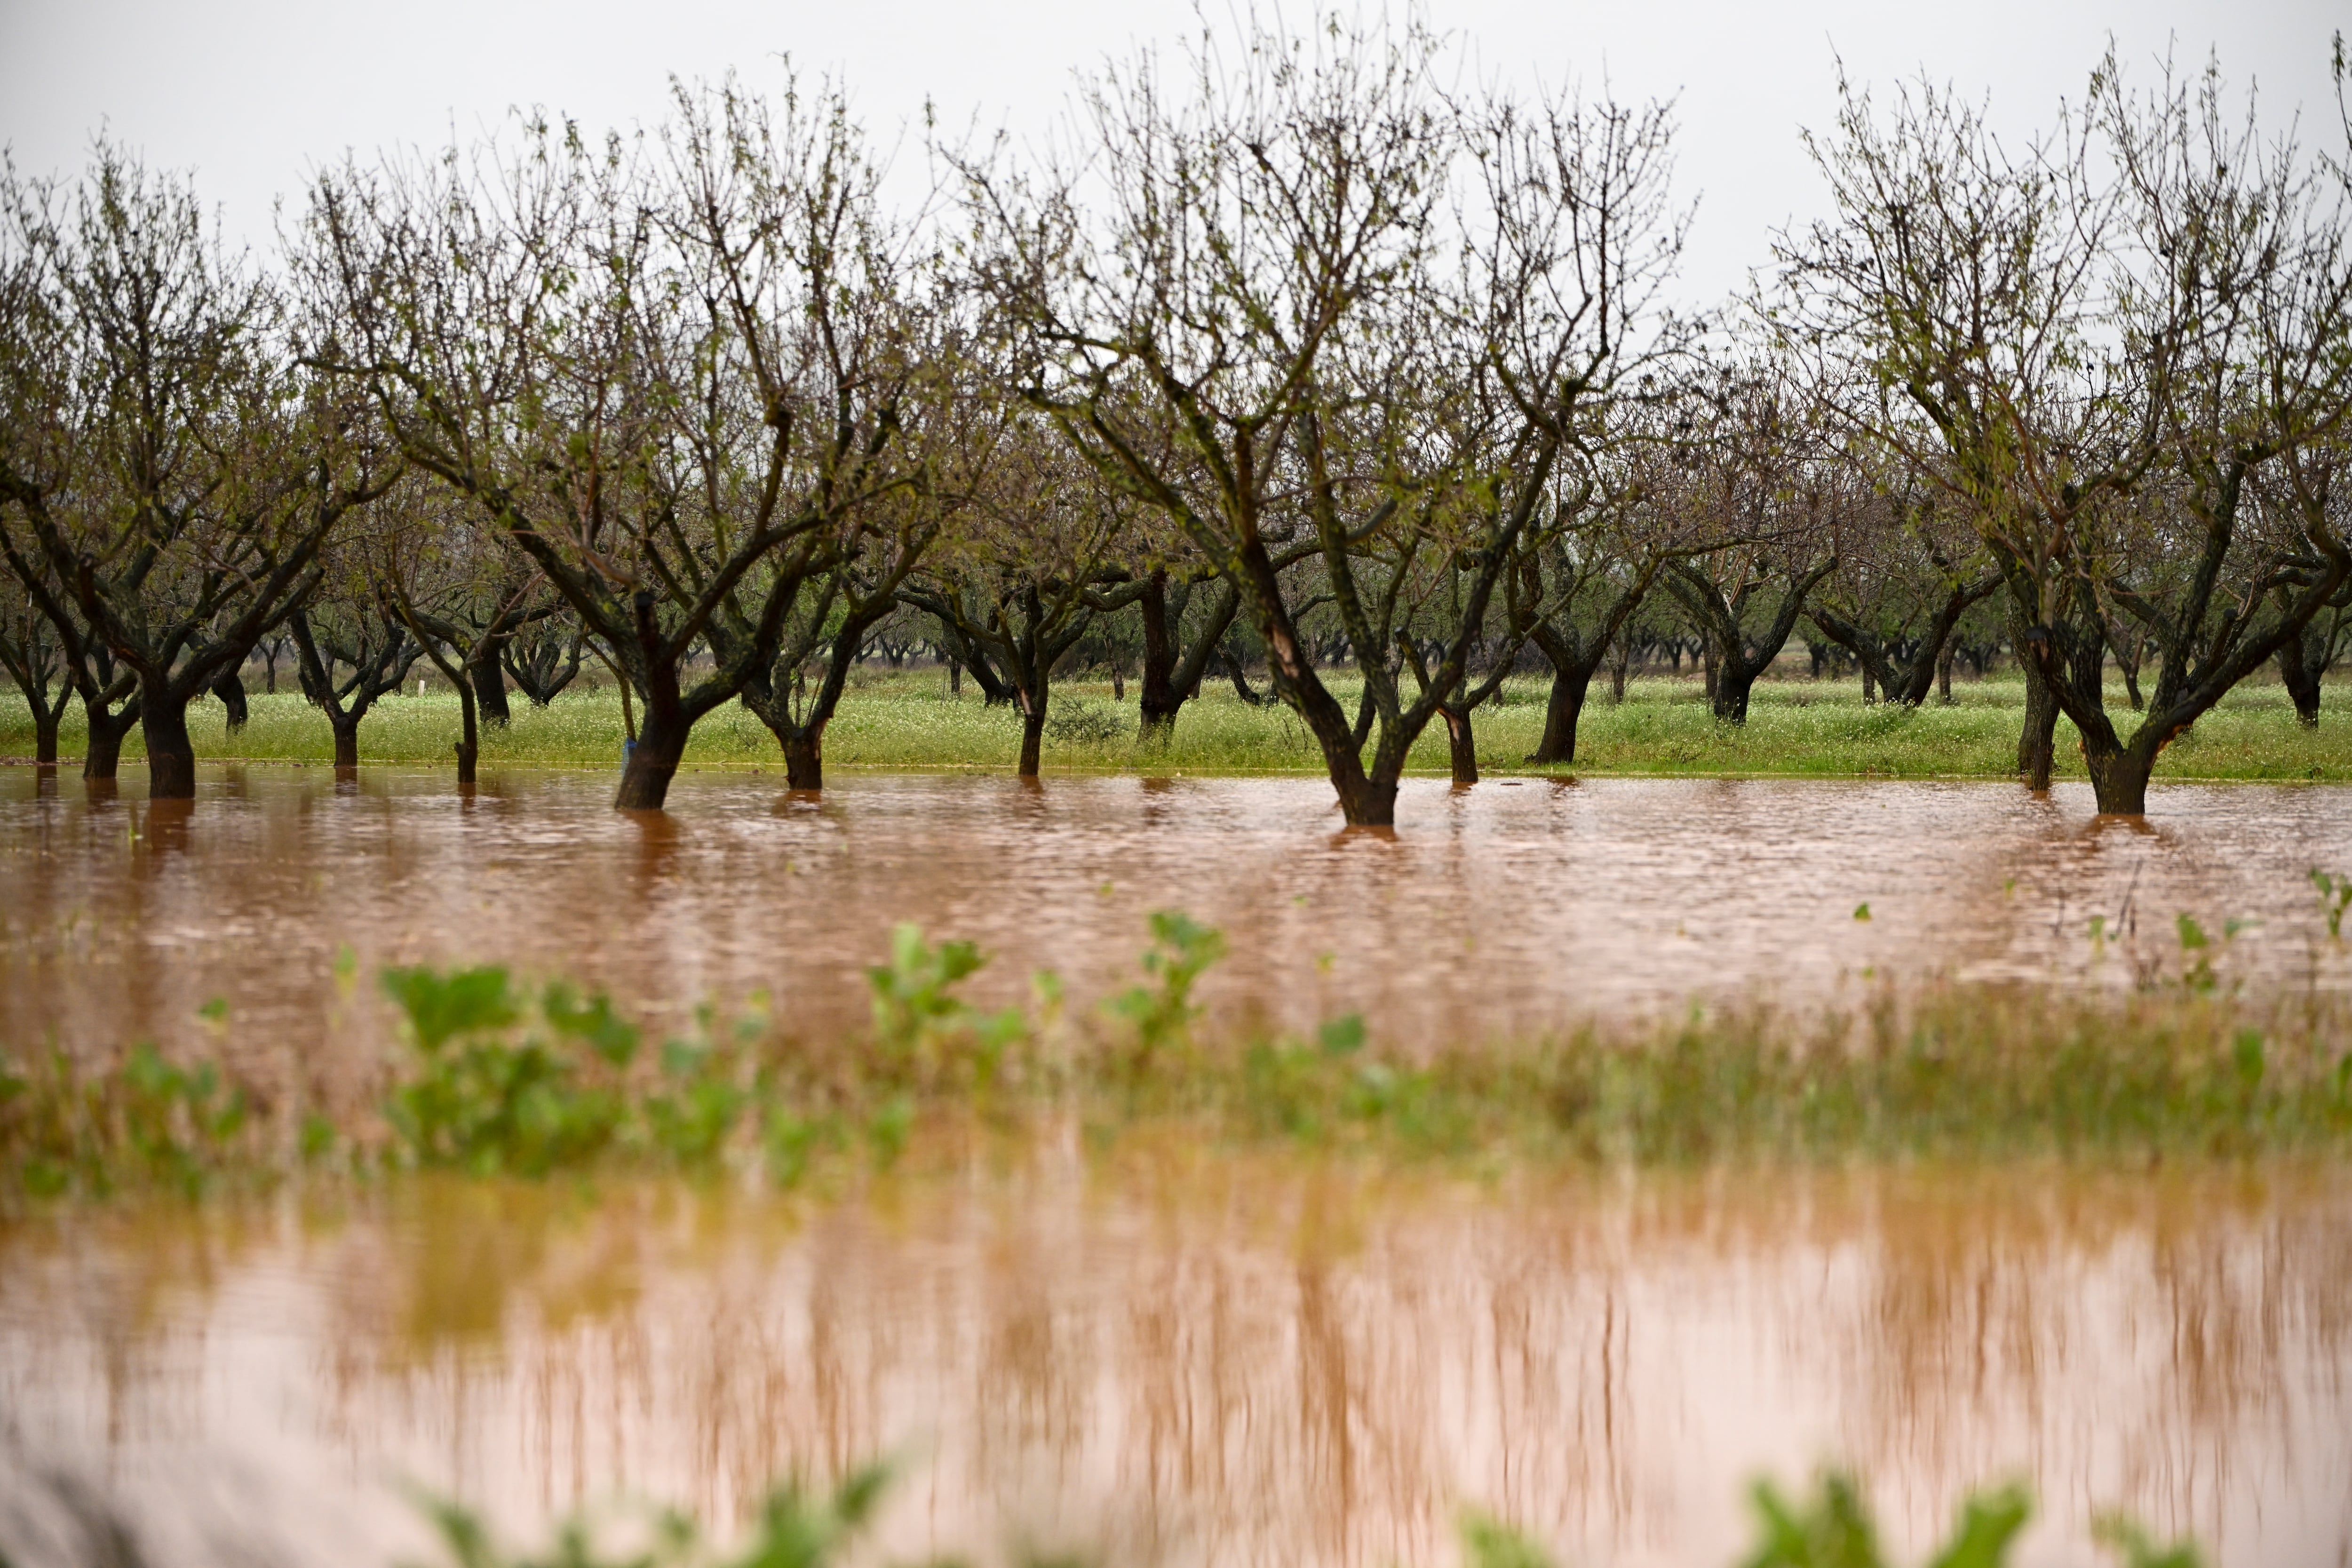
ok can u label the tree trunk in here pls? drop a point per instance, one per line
(805, 759)
(1462, 746)
(230, 689)
(1869, 688)
(107, 728)
(1155, 687)
(1367, 802)
(1617, 668)
(45, 733)
(955, 678)
(2036, 742)
(1944, 675)
(2302, 682)
(491, 684)
(171, 755)
(347, 740)
(653, 762)
(1033, 734)
(1715, 677)
(469, 742)
(2118, 776)
(1562, 708)
(1734, 680)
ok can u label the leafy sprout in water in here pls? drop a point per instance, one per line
(1162, 1014)
(922, 1029)
(2335, 895)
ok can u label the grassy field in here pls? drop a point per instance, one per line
(910, 722)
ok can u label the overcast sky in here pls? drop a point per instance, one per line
(252, 96)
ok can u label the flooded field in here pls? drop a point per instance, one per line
(1506, 911)
(1170, 1357)
(1156, 1350)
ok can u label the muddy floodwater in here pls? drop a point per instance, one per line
(1507, 910)
(1169, 1356)
(1154, 1353)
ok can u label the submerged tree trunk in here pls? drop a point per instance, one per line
(1032, 732)
(346, 727)
(805, 759)
(2119, 774)
(46, 718)
(171, 755)
(469, 742)
(653, 758)
(103, 754)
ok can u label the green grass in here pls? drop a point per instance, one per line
(910, 722)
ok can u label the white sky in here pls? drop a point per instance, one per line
(251, 96)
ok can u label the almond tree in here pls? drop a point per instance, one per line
(671, 376)
(1907, 574)
(1774, 494)
(2108, 375)
(171, 507)
(30, 652)
(1019, 581)
(1313, 309)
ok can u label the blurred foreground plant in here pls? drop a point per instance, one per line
(503, 1083)
(147, 1123)
(796, 1528)
(1834, 1529)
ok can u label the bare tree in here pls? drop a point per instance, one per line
(1907, 574)
(669, 384)
(2102, 372)
(1255, 311)
(189, 475)
(1019, 581)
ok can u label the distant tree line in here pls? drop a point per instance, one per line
(1283, 358)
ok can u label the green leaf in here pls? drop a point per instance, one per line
(439, 1008)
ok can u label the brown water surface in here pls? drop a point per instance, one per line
(1507, 910)
(1167, 1356)
(1162, 1354)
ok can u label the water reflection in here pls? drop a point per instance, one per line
(1512, 909)
(1173, 1357)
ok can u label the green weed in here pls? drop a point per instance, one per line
(925, 1033)
(501, 1084)
(147, 1124)
(1160, 1012)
